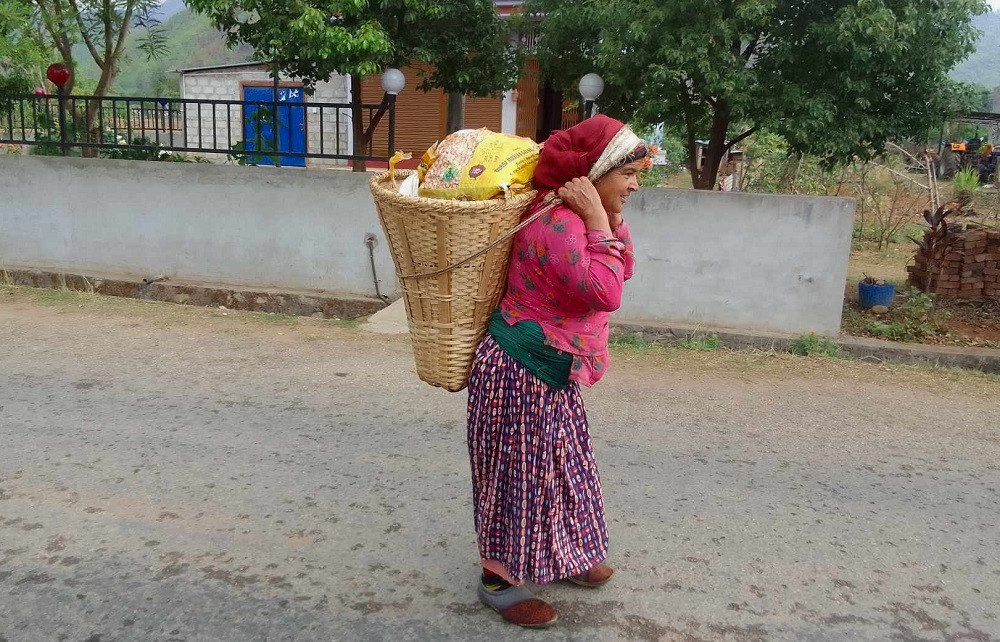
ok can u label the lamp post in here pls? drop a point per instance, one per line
(393, 82)
(58, 74)
(591, 88)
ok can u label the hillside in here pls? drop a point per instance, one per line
(983, 66)
(192, 42)
(169, 7)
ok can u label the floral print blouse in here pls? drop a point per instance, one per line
(569, 280)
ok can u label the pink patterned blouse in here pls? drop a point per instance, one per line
(569, 281)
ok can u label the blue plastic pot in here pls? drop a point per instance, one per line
(871, 295)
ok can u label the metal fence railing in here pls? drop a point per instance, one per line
(242, 130)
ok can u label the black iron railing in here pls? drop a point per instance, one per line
(241, 130)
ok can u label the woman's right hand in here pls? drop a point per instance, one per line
(581, 196)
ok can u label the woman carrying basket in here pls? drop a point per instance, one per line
(538, 510)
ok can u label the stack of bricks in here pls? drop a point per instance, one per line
(964, 265)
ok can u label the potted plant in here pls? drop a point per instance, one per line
(872, 292)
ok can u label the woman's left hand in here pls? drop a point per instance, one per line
(581, 196)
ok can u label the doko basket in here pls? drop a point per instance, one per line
(451, 258)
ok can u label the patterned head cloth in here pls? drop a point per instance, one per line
(592, 149)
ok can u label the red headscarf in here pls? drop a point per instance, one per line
(572, 153)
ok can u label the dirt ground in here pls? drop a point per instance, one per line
(954, 322)
(974, 323)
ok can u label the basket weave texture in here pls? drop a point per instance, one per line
(448, 311)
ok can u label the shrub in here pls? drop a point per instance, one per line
(811, 344)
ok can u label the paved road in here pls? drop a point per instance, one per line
(172, 475)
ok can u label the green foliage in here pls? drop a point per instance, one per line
(631, 342)
(47, 136)
(813, 345)
(918, 317)
(468, 44)
(312, 39)
(772, 168)
(694, 342)
(676, 153)
(966, 183)
(971, 96)
(22, 52)
(914, 320)
(653, 177)
(143, 148)
(835, 80)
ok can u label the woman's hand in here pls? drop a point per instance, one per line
(581, 196)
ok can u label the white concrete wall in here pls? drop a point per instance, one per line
(508, 114)
(226, 84)
(743, 261)
(244, 226)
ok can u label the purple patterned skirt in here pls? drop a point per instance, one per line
(539, 514)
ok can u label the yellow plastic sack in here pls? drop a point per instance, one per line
(477, 165)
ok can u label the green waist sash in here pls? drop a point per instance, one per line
(525, 343)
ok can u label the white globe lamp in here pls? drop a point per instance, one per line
(591, 88)
(393, 81)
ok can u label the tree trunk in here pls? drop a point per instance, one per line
(92, 125)
(716, 150)
(357, 114)
(68, 87)
(456, 113)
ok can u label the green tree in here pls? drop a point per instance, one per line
(970, 96)
(103, 26)
(313, 39)
(836, 79)
(469, 45)
(23, 54)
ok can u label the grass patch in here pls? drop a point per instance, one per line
(63, 296)
(6, 279)
(915, 319)
(632, 342)
(809, 345)
(701, 343)
(637, 343)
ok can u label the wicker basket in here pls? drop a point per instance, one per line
(451, 281)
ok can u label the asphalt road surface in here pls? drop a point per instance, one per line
(170, 473)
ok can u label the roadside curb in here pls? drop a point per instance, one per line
(302, 303)
(860, 348)
(326, 305)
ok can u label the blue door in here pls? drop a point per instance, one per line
(291, 125)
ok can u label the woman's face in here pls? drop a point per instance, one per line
(617, 185)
